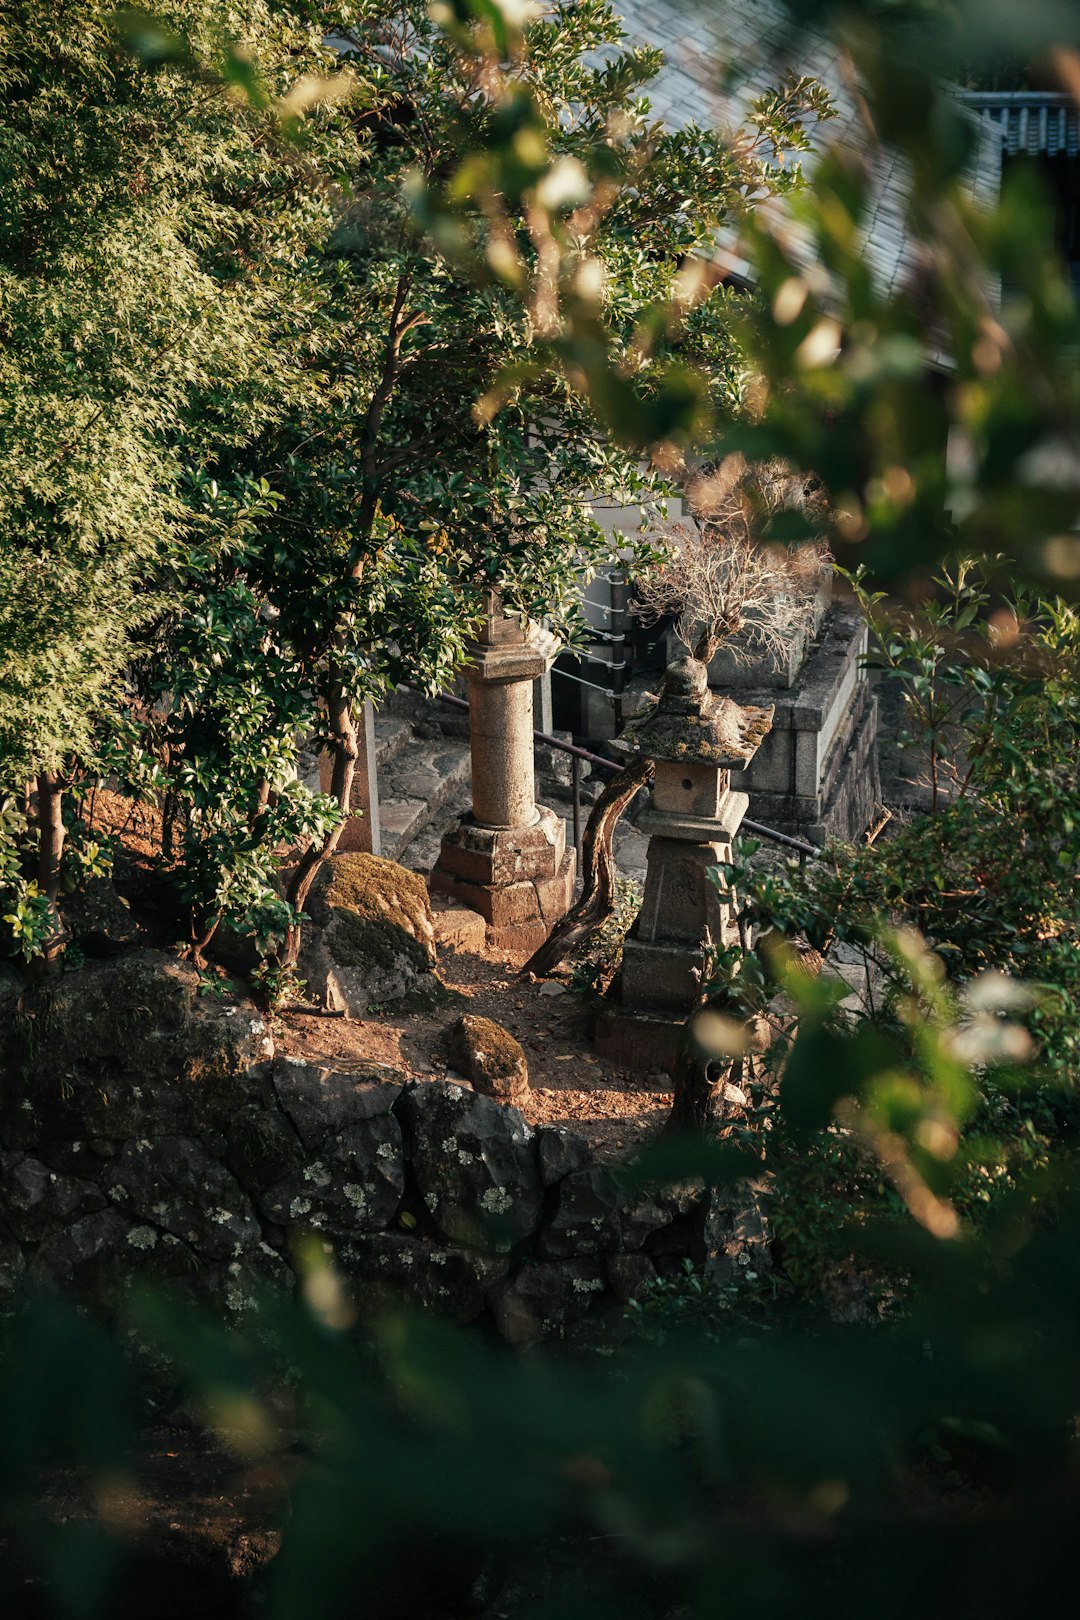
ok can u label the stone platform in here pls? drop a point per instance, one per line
(520, 879)
(816, 774)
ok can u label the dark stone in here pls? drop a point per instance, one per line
(100, 921)
(586, 1218)
(172, 1184)
(559, 1153)
(629, 1275)
(594, 1216)
(35, 1199)
(321, 1102)
(355, 1181)
(125, 1048)
(474, 1165)
(87, 1256)
(262, 1148)
(546, 1299)
(736, 1232)
(389, 1269)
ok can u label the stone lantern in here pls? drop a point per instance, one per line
(697, 740)
(507, 858)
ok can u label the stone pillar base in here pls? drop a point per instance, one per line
(638, 1040)
(520, 879)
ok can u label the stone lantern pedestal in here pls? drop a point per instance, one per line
(697, 740)
(506, 858)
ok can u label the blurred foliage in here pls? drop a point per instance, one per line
(827, 1460)
(989, 876)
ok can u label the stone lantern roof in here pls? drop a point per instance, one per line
(693, 726)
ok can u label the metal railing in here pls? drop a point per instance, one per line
(577, 755)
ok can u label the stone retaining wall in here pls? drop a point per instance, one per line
(147, 1130)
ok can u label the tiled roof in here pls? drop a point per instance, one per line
(751, 42)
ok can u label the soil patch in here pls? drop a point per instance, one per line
(616, 1109)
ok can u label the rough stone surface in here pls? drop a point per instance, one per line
(374, 936)
(475, 1165)
(457, 928)
(99, 919)
(392, 1268)
(420, 779)
(172, 1185)
(559, 1153)
(320, 1102)
(629, 1275)
(536, 885)
(89, 1052)
(736, 1232)
(356, 1178)
(206, 1166)
(547, 1299)
(36, 1199)
(491, 1058)
(586, 1219)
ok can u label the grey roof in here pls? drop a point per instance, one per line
(752, 44)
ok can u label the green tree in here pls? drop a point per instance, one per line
(152, 239)
(355, 427)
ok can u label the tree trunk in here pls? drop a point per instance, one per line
(699, 1079)
(50, 819)
(598, 870)
(346, 750)
(202, 932)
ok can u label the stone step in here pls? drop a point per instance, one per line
(416, 786)
(393, 733)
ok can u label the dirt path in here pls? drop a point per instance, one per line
(616, 1109)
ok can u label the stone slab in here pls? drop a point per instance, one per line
(457, 927)
(638, 1040)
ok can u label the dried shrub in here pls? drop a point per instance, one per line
(722, 580)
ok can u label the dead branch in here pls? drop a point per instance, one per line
(598, 869)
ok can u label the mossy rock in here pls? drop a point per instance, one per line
(125, 1047)
(372, 935)
(491, 1058)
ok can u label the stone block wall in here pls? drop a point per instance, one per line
(816, 772)
(145, 1131)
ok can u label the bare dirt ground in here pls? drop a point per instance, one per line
(618, 1110)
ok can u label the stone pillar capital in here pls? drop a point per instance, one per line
(496, 665)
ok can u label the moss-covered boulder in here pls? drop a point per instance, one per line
(134, 1046)
(491, 1058)
(371, 938)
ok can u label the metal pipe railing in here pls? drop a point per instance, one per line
(755, 828)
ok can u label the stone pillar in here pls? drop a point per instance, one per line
(506, 858)
(697, 741)
(362, 832)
